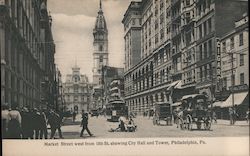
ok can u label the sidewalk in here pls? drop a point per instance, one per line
(227, 122)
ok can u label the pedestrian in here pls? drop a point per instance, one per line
(14, 125)
(55, 124)
(25, 124)
(43, 126)
(74, 116)
(235, 114)
(131, 127)
(37, 122)
(231, 114)
(5, 120)
(31, 122)
(247, 115)
(84, 124)
(214, 117)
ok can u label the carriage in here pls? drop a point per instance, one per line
(194, 111)
(162, 111)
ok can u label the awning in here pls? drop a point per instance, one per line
(218, 103)
(115, 94)
(189, 96)
(176, 104)
(114, 88)
(238, 99)
(178, 85)
(173, 84)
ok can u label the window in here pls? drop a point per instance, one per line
(241, 59)
(100, 48)
(133, 21)
(225, 82)
(209, 25)
(200, 31)
(205, 28)
(241, 42)
(209, 48)
(75, 98)
(224, 47)
(242, 78)
(205, 50)
(101, 58)
(76, 89)
(187, 2)
(232, 43)
(200, 51)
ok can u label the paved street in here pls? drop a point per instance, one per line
(99, 127)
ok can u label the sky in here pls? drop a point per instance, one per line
(72, 27)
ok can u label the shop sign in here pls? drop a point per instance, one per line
(239, 88)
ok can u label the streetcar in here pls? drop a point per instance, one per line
(162, 112)
(115, 109)
(194, 111)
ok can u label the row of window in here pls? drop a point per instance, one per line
(232, 42)
(232, 82)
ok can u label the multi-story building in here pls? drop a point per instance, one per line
(178, 49)
(116, 89)
(234, 47)
(77, 91)
(27, 54)
(100, 44)
(150, 80)
(109, 74)
(213, 20)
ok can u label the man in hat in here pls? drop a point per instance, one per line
(43, 126)
(55, 124)
(25, 124)
(84, 124)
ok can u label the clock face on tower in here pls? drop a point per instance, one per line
(101, 36)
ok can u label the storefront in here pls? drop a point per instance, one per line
(239, 97)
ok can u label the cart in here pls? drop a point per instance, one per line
(195, 111)
(162, 111)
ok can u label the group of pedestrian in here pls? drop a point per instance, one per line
(126, 124)
(29, 123)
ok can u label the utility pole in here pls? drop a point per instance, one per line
(232, 76)
(232, 73)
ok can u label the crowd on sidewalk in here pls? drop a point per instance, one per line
(30, 123)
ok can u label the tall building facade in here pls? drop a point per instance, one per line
(27, 54)
(100, 44)
(178, 48)
(76, 91)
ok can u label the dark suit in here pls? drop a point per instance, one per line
(84, 124)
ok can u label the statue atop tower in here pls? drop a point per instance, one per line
(100, 55)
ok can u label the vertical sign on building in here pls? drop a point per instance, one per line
(218, 64)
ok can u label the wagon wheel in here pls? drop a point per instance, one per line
(189, 122)
(181, 123)
(154, 120)
(198, 123)
(158, 121)
(207, 123)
